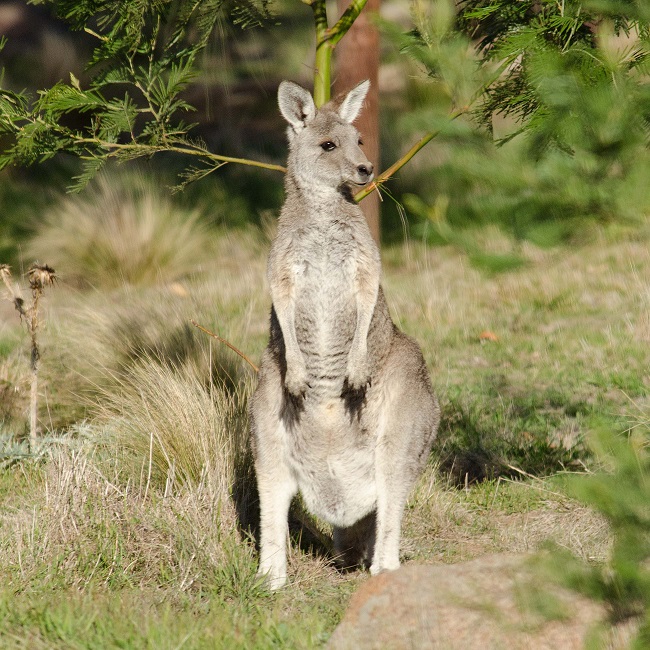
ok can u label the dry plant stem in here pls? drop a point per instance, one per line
(230, 345)
(40, 276)
(31, 318)
(35, 356)
(14, 292)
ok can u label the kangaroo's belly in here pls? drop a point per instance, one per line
(333, 461)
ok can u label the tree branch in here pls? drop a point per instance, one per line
(324, 49)
(326, 40)
(396, 166)
(146, 149)
(340, 29)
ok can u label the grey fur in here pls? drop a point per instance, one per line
(344, 410)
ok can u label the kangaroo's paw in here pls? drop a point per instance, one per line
(384, 566)
(358, 374)
(272, 579)
(296, 379)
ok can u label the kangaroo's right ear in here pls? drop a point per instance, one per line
(296, 105)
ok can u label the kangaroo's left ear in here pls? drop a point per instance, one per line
(351, 105)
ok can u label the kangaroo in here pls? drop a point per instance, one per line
(343, 411)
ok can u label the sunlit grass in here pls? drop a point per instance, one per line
(140, 517)
(121, 231)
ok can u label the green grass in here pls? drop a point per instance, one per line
(136, 619)
(134, 529)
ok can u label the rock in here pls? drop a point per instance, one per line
(486, 604)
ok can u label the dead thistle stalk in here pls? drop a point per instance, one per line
(40, 276)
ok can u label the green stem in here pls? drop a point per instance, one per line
(323, 64)
(346, 20)
(322, 74)
(326, 40)
(397, 165)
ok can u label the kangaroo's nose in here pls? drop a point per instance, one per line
(365, 170)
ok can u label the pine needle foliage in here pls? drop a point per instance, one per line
(570, 79)
(620, 492)
(133, 106)
(527, 37)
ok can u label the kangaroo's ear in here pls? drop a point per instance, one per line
(296, 104)
(351, 105)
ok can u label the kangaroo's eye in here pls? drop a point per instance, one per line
(360, 141)
(328, 145)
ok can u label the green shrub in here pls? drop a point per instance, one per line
(620, 492)
(554, 128)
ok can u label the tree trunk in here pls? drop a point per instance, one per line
(357, 58)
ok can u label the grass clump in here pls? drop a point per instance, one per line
(177, 427)
(121, 231)
(98, 527)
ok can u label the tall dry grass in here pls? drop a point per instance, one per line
(96, 525)
(121, 230)
(177, 428)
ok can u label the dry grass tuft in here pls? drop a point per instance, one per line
(121, 232)
(97, 527)
(177, 428)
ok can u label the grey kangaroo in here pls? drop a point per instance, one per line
(343, 411)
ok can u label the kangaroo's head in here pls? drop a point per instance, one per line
(324, 149)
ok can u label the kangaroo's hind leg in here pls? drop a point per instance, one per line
(276, 489)
(275, 481)
(408, 417)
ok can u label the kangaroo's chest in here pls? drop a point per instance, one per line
(324, 260)
(324, 267)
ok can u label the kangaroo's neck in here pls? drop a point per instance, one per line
(319, 197)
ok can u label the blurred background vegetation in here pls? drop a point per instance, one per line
(552, 138)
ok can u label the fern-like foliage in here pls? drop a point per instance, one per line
(573, 79)
(519, 34)
(144, 59)
(620, 493)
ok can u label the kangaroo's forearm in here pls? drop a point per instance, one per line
(285, 310)
(367, 290)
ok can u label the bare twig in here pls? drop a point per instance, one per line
(230, 345)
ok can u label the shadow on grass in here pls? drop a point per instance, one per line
(476, 443)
